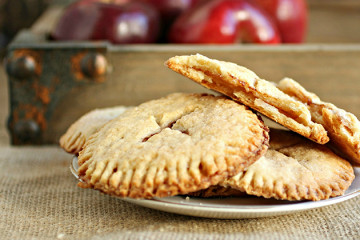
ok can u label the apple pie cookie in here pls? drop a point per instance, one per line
(295, 170)
(245, 86)
(174, 145)
(343, 127)
(77, 134)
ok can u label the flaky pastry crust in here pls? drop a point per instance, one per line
(295, 170)
(245, 86)
(343, 127)
(174, 145)
(73, 140)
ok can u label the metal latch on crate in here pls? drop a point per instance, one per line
(40, 75)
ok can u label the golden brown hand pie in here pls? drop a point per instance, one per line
(295, 169)
(343, 127)
(77, 134)
(245, 86)
(174, 145)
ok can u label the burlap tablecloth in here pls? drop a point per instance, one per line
(39, 199)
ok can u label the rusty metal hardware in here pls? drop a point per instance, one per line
(40, 75)
(93, 65)
(27, 130)
(21, 67)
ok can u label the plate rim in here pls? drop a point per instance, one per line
(204, 208)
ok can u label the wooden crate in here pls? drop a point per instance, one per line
(324, 65)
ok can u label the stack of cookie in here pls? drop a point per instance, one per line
(205, 145)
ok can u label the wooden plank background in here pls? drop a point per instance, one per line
(139, 74)
(333, 21)
(328, 64)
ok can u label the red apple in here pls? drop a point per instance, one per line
(135, 22)
(224, 21)
(78, 21)
(169, 10)
(119, 21)
(290, 16)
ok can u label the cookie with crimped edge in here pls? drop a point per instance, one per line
(76, 135)
(245, 86)
(174, 145)
(343, 127)
(295, 170)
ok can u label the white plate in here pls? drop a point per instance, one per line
(235, 207)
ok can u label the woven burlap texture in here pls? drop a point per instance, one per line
(39, 199)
